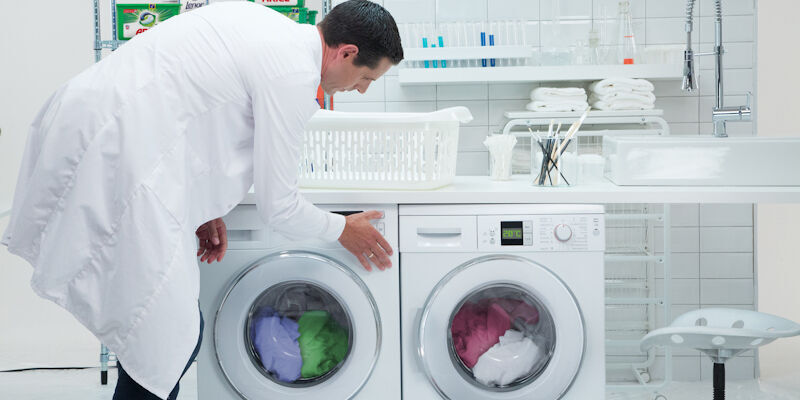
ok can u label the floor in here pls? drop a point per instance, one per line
(85, 385)
(81, 384)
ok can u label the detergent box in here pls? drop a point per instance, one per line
(133, 19)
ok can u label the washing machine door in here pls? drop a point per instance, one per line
(297, 325)
(501, 327)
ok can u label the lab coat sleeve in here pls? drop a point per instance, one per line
(279, 113)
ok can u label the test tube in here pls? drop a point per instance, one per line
(482, 29)
(425, 46)
(508, 39)
(501, 39)
(492, 33)
(441, 44)
(471, 36)
(454, 40)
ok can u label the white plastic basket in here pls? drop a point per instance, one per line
(347, 150)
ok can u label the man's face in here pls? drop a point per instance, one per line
(343, 76)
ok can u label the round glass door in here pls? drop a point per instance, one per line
(298, 334)
(501, 327)
(297, 325)
(501, 337)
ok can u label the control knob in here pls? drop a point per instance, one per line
(563, 232)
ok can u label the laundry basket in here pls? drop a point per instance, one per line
(348, 150)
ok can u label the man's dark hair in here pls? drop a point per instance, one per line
(366, 25)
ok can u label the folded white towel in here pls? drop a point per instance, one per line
(644, 97)
(622, 105)
(621, 85)
(557, 106)
(558, 94)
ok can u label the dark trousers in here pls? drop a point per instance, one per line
(128, 389)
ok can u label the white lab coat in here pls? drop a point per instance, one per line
(128, 158)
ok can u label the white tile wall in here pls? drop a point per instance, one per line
(712, 266)
(712, 244)
(655, 22)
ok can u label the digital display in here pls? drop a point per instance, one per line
(511, 233)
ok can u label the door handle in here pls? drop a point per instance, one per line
(439, 231)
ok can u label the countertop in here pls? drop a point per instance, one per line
(482, 190)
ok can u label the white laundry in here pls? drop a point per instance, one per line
(510, 359)
(544, 106)
(565, 95)
(641, 97)
(620, 105)
(116, 177)
(610, 85)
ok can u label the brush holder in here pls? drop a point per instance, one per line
(554, 161)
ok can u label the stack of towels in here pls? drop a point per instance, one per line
(622, 94)
(558, 99)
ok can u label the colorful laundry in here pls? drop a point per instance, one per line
(517, 309)
(476, 328)
(511, 358)
(323, 343)
(295, 300)
(275, 340)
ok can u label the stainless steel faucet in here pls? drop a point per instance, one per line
(721, 114)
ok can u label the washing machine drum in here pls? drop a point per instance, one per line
(501, 327)
(297, 325)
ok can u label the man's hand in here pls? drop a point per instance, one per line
(213, 240)
(365, 242)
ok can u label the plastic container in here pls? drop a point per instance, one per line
(562, 172)
(135, 18)
(412, 151)
(501, 151)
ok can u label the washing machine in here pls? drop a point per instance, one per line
(502, 302)
(289, 319)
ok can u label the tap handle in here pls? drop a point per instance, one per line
(749, 99)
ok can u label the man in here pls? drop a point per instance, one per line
(127, 159)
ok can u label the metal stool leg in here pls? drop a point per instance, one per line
(719, 381)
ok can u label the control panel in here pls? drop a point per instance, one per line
(576, 232)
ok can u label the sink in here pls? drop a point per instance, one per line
(702, 161)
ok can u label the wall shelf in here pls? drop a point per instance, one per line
(423, 76)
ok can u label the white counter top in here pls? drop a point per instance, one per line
(479, 189)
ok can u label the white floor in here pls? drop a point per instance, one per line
(82, 384)
(85, 385)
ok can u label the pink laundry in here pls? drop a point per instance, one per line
(478, 326)
(516, 309)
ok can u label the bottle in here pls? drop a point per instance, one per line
(626, 49)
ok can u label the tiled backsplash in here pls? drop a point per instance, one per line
(656, 22)
(712, 266)
(712, 244)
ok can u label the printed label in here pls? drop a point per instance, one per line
(135, 19)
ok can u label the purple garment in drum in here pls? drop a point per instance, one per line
(275, 340)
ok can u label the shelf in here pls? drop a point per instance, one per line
(421, 76)
(577, 114)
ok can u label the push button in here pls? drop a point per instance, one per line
(527, 240)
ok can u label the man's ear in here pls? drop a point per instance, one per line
(348, 50)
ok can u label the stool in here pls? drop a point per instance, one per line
(721, 334)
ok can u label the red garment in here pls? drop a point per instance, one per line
(478, 326)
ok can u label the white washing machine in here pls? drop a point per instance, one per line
(298, 319)
(502, 301)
